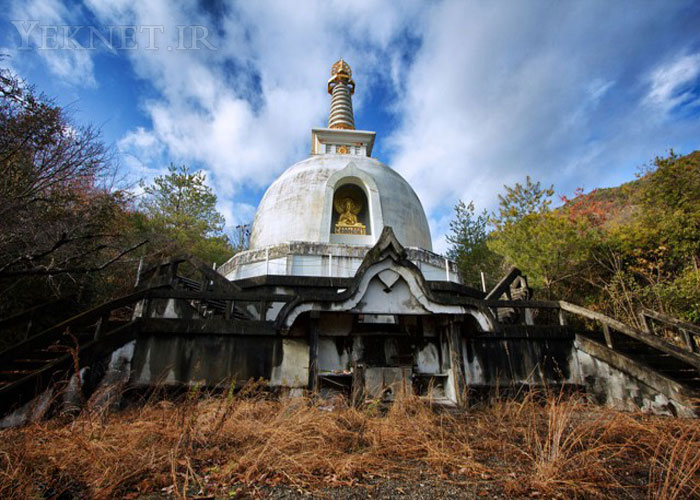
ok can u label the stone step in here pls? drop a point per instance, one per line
(661, 361)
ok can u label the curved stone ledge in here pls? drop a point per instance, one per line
(301, 258)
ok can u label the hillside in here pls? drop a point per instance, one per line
(621, 202)
(616, 249)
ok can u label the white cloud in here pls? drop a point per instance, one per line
(140, 138)
(598, 88)
(41, 23)
(669, 82)
(236, 213)
(439, 228)
(482, 93)
(497, 92)
(244, 111)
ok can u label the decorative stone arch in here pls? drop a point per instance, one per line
(386, 283)
(351, 174)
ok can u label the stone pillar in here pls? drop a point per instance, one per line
(313, 351)
(455, 343)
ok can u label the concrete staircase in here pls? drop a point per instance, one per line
(55, 354)
(662, 359)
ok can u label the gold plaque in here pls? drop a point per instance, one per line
(343, 150)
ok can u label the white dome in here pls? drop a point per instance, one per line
(298, 206)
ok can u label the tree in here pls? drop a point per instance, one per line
(60, 220)
(181, 216)
(616, 249)
(670, 198)
(468, 239)
(241, 238)
(522, 200)
(659, 247)
(547, 246)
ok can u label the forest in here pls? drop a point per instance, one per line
(70, 227)
(614, 250)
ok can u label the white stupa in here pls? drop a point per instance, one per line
(323, 214)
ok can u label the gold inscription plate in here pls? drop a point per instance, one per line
(359, 229)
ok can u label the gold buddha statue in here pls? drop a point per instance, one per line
(348, 222)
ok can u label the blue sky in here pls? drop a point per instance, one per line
(465, 96)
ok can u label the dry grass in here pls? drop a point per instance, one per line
(554, 447)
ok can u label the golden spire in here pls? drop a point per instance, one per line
(341, 87)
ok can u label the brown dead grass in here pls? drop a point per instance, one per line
(556, 447)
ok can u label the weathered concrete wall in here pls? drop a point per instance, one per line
(180, 359)
(613, 386)
(298, 258)
(211, 360)
(503, 363)
(293, 371)
(335, 354)
(617, 389)
(611, 379)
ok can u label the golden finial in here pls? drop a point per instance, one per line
(341, 72)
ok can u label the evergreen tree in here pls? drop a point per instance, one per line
(547, 246)
(468, 237)
(181, 216)
(522, 200)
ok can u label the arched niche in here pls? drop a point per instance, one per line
(351, 210)
(352, 175)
